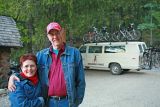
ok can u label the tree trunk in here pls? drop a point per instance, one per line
(30, 34)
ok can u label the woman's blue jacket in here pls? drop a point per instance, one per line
(26, 94)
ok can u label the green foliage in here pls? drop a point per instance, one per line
(152, 20)
(77, 16)
(156, 15)
(146, 26)
(16, 53)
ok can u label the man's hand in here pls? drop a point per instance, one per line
(11, 85)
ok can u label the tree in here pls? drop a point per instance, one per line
(76, 16)
(151, 21)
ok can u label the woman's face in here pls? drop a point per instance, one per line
(29, 68)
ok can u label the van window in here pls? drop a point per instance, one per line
(83, 49)
(140, 48)
(114, 49)
(95, 49)
(144, 47)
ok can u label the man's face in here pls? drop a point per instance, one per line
(55, 38)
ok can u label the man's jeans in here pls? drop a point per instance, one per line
(58, 103)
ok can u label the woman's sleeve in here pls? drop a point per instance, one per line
(20, 99)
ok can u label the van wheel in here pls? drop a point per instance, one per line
(115, 69)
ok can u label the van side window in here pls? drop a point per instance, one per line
(83, 49)
(95, 49)
(114, 49)
(140, 48)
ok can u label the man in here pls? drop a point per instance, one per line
(60, 71)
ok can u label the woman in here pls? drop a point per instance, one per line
(28, 90)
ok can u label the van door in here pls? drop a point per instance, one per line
(94, 57)
(115, 54)
(142, 48)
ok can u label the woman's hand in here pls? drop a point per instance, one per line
(11, 85)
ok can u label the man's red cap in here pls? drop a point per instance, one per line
(53, 25)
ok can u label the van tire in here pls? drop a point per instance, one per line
(115, 69)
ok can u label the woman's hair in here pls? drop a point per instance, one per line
(28, 56)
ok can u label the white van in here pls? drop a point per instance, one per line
(116, 56)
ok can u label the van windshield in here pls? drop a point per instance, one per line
(144, 47)
(83, 49)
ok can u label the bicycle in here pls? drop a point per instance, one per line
(103, 35)
(96, 36)
(136, 34)
(156, 58)
(126, 34)
(115, 35)
(151, 58)
(89, 37)
(147, 58)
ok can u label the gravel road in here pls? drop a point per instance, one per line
(131, 89)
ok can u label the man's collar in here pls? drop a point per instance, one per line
(61, 50)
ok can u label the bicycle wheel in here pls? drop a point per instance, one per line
(136, 34)
(121, 37)
(156, 60)
(102, 37)
(114, 36)
(146, 60)
(97, 38)
(106, 37)
(85, 38)
(129, 36)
